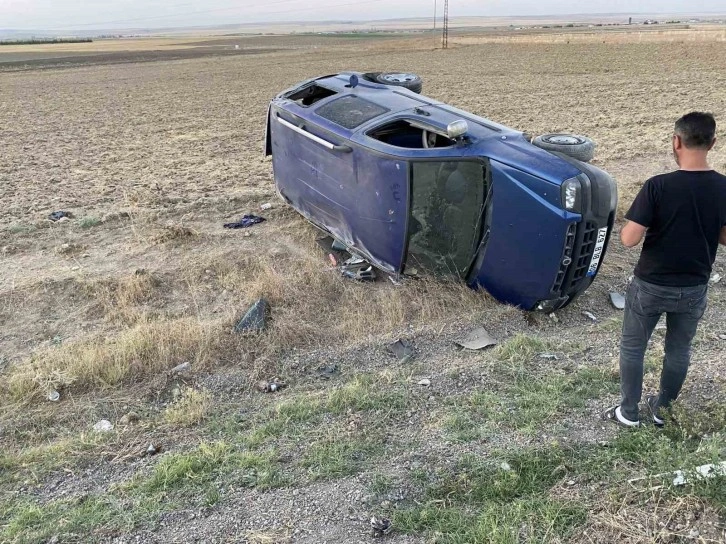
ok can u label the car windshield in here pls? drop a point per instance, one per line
(446, 215)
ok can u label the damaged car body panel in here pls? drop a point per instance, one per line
(408, 182)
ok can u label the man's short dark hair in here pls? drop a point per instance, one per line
(697, 129)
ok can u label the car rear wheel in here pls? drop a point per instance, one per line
(577, 147)
(412, 82)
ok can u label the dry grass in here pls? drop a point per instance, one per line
(120, 299)
(191, 408)
(138, 352)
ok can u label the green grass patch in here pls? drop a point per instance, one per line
(20, 228)
(525, 402)
(339, 456)
(88, 222)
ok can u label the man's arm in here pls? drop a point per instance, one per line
(632, 233)
(722, 237)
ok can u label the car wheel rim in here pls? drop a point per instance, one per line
(564, 139)
(398, 78)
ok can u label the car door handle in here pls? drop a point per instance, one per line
(308, 135)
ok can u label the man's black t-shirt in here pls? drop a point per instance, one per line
(684, 212)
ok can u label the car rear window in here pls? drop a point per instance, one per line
(350, 111)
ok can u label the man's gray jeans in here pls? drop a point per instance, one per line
(644, 304)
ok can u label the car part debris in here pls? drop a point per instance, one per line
(683, 477)
(53, 395)
(266, 206)
(57, 216)
(328, 371)
(255, 320)
(179, 369)
(402, 350)
(477, 339)
(617, 300)
(246, 221)
(360, 272)
(380, 527)
(103, 426)
(425, 382)
(271, 386)
(590, 316)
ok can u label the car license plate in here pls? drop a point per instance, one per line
(602, 235)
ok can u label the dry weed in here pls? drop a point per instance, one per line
(189, 409)
(120, 299)
(143, 350)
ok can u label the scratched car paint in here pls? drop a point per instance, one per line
(405, 182)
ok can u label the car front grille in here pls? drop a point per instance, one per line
(566, 260)
(582, 261)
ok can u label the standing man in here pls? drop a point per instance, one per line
(682, 216)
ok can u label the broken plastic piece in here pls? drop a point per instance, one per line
(53, 395)
(103, 426)
(548, 356)
(270, 386)
(590, 316)
(56, 216)
(360, 272)
(255, 319)
(266, 206)
(246, 221)
(477, 339)
(683, 477)
(402, 350)
(618, 300)
(380, 526)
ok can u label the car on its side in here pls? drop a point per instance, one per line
(405, 181)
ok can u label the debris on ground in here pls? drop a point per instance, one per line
(549, 356)
(425, 382)
(715, 278)
(266, 206)
(153, 449)
(103, 426)
(477, 339)
(360, 271)
(255, 319)
(57, 216)
(380, 527)
(333, 260)
(683, 477)
(275, 384)
(617, 300)
(554, 318)
(53, 395)
(590, 316)
(246, 221)
(328, 371)
(179, 369)
(505, 466)
(402, 350)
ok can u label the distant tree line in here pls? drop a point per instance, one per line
(36, 41)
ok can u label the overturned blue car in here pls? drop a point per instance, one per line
(407, 182)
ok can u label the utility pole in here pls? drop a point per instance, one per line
(434, 15)
(445, 39)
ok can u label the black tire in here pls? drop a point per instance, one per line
(577, 147)
(412, 82)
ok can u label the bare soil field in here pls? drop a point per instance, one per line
(503, 446)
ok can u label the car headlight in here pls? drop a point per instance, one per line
(571, 195)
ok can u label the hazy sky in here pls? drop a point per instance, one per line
(89, 14)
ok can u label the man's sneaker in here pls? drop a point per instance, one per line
(650, 402)
(615, 415)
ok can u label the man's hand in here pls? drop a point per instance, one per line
(722, 237)
(633, 233)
